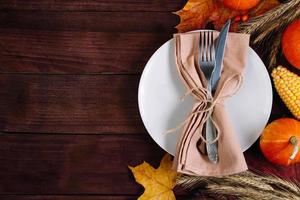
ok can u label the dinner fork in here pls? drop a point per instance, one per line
(207, 64)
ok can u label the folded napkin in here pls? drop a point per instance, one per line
(188, 159)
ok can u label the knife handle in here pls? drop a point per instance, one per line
(211, 134)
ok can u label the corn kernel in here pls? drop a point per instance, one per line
(287, 85)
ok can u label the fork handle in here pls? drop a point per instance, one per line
(211, 134)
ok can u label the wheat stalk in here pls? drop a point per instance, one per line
(270, 26)
(274, 49)
(278, 25)
(244, 185)
(257, 23)
(248, 193)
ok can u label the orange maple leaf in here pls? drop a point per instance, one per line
(158, 183)
(196, 14)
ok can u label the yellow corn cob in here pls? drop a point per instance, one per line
(287, 85)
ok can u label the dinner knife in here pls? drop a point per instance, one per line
(220, 50)
(211, 133)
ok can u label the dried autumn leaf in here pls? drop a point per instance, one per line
(196, 14)
(158, 183)
(221, 15)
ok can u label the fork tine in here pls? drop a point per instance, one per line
(209, 37)
(211, 47)
(206, 45)
(200, 46)
(203, 46)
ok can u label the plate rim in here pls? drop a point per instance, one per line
(147, 66)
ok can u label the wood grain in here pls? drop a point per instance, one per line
(93, 5)
(80, 197)
(90, 104)
(120, 22)
(93, 104)
(67, 197)
(69, 72)
(76, 52)
(73, 164)
(88, 164)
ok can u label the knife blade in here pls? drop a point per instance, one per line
(220, 50)
(211, 132)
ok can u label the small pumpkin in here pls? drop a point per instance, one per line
(280, 141)
(291, 43)
(241, 5)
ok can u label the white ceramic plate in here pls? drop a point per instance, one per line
(160, 89)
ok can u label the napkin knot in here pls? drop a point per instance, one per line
(206, 103)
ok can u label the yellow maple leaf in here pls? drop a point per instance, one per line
(158, 183)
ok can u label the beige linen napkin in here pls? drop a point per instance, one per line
(188, 159)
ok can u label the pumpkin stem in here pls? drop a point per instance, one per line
(294, 142)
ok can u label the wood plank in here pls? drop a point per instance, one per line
(97, 197)
(67, 197)
(158, 22)
(66, 52)
(93, 5)
(73, 164)
(91, 104)
(81, 197)
(88, 164)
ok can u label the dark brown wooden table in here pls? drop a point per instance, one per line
(69, 73)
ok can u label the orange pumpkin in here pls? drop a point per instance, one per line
(291, 43)
(241, 5)
(280, 141)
